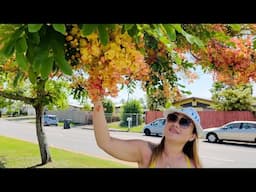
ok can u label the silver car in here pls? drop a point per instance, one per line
(232, 131)
(155, 127)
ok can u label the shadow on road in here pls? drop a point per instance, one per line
(235, 143)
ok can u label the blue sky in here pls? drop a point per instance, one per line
(199, 88)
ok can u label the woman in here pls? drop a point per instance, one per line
(177, 149)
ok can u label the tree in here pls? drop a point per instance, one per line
(102, 56)
(229, 52)
(163, 88)
(109, 108)
(34, 52)
(233, 98)
(133, 109)
(4, 103)
(87, 107)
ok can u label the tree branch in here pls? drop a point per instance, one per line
(17, 96)
(196, 57)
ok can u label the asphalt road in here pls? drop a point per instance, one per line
(81, 139)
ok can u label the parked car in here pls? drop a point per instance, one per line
(50, 120)
(155, 127)
(232, 131)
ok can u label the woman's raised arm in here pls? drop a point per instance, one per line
(128, 150)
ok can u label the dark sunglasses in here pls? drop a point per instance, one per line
(183, 122)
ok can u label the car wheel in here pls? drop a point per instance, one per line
(212, 138)
(147, 132)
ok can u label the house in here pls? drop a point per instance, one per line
(200, 104)
(75, 107)
(28, 109)
(74, 112)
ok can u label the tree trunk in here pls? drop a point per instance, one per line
(43, 146)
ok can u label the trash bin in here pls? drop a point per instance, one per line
(67, 123)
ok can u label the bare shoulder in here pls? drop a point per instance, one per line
(146, 153)
(144, 145)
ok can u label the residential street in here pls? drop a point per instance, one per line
(81, 139)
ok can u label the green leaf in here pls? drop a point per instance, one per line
(8, 50)
(41, 58)
(110, 26)
(198, 42)
(177, 27)
(128, 26)
(235, 27)
(170, 32)
(39, 55)
(133, 31)
(87, 29)
(57, 44)
(8, 35)
(168, 104)
(32, 28)
(63, 64)
(32, 76)
(192, 39)
(46, 67)
(103, 34)
(60, 28)
(254, 43)
(21, 45)
(32, 56)
(22, 61)
(177, 59)
(34, 38)
(16, 78)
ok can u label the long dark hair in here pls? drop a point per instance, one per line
(190, 149)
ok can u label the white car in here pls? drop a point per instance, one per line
(50, 120)
(232, 131)
(155, 127)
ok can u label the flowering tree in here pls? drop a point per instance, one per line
(106, 55)
(97, 58)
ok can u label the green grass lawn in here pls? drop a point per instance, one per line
(16, 153)
(135, 129)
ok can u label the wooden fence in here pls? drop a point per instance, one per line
(210, 118)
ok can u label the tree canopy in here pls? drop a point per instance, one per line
(97, 59)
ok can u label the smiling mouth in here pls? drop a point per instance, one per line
(173, 130)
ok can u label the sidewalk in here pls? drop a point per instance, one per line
(90, 127)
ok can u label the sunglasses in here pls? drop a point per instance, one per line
(183, 122)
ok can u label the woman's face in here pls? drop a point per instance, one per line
(179, 127)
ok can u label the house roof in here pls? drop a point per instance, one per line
(76, 105)
(194, 98)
